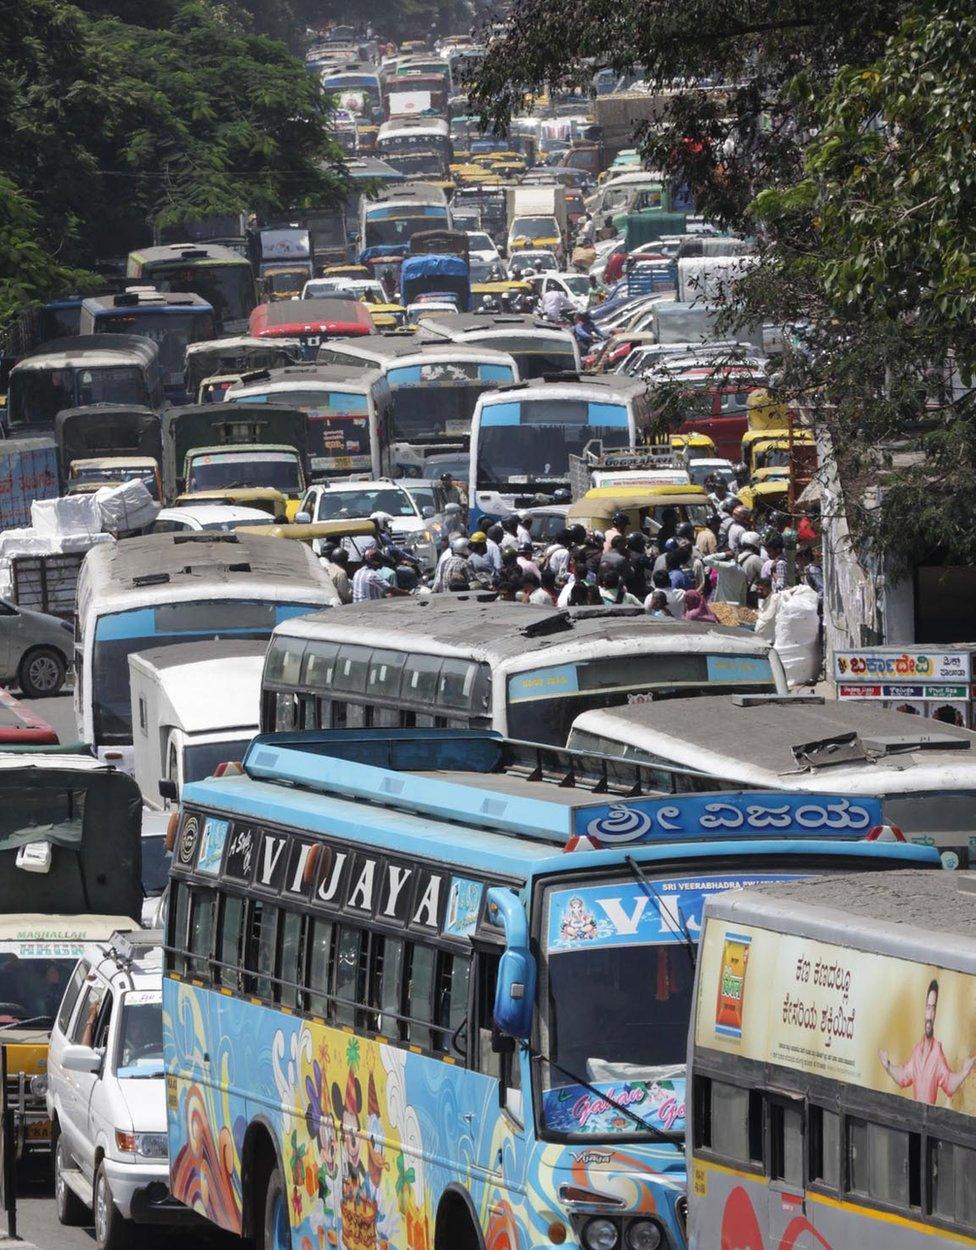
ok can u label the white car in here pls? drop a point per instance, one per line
(530, 258)
(106, 1094)
(348, 500)
(575, 286)
(207, 516)
(481, 248)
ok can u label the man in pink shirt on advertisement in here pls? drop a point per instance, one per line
(927, 1068)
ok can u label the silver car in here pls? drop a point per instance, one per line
(35, 649)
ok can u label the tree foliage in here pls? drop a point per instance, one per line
(119, 113)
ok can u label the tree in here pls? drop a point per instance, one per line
(776, 59)
(873, 253)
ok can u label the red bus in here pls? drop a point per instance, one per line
(21, 726)
(311, 321)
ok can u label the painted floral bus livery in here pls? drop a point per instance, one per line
(356, 1053)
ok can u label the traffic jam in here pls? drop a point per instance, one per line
(449, 803)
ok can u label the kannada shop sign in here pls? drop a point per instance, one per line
(864, 1019)
(904, 668)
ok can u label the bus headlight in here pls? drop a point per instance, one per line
(643, 1235)
(600, 1234)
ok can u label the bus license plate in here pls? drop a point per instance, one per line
(40, 1130)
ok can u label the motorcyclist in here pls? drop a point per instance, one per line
(585, 330)
(554, 304)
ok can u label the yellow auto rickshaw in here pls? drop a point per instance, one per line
(266, 498)
(764, 449)
(388, 316)
(346, 271)
(771, 495)
(645, 506)
(693, 446)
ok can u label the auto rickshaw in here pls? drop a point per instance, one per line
(266, 498)
(773, 495)
(764, 451)
(388, 316)
(645, 506)
(693, 446)
(346, 271)
(501, 292)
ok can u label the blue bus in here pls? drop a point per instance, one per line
(424, 990)
(173, 320)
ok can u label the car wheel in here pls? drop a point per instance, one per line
(112, 1231)
(70, 1208)
(42, 672)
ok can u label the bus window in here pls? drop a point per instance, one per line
(786, 1141)
(351, 669)
(318, 972)
(230, 941)
(260, 955)
(383, 679)
(421, 675)
(386, 980)
(179, 903)
(823, 1131)
(201, 932)
(290, 958)
(420, 988)
(729, 1121)
(884, 1163)
(952, 1168)
(320, 659)
(451, 1004)
(456, 686)
(284, 661)
(351, 954)
(286, 712)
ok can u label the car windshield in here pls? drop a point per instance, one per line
(200, 760)
(140, 1048)
(226, 470)
(120, 472)
(31, 989)
(578, 283)
(342, 504)
(481, 243)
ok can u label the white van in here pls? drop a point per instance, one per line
(193, 707)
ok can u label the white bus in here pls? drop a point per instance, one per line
(169, 589)
(522, 437)
(538, 346)
(527, 671)
(924, 771)
(832, 1095)
(419, 147)
(348, 413)
(434, 388)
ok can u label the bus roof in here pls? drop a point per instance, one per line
(135, 572)
(181, 255)
(929, 918)
(407, 193)
(293, 317)
(498, 631)
(412, 125)
(93, 350)
(795, 743)
(470, 324)
(147, 300)
(599, 386)
(299, 377)
(462, 797)
(401, 349)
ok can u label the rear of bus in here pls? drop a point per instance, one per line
(345, 414)
(222, 277)
(522, 438)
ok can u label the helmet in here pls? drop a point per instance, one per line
(750, 539)
(635, 541)
(452, 508)
(479, 536)
(685, 530)
(620, 518)
(382, 519)
(446, 477)
(459, 546)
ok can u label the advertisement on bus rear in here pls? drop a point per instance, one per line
(875, 1021)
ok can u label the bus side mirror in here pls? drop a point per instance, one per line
(168, 790)
(303, 518)
(515, 989)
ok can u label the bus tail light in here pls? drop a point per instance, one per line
(885, 833)
(171, 827)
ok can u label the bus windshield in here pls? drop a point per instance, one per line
(532, 441)
(544, 702)
(38, 395)
(31, 989)
(535, 227)
(338, 420)
(413, 164)
(393, 230)
(628, 1043)
(227, 470)
(437, 401)
(200, 759)
(535, 355)
(229, 289)
(173, 332)
(119, 634)
(82, 474)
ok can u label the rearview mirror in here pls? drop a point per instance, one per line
(80, 1059)
(515, 989)
(168, 790)
(427, 512)
(303, 518)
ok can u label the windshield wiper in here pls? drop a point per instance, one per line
(679, 929)
(645, 1126)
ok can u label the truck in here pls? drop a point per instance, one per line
(536, 216)
(28, 471)
(255, 437)
(706, 279)
(100, 434)
(282, 260)
(193, 707)
(70, 876)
